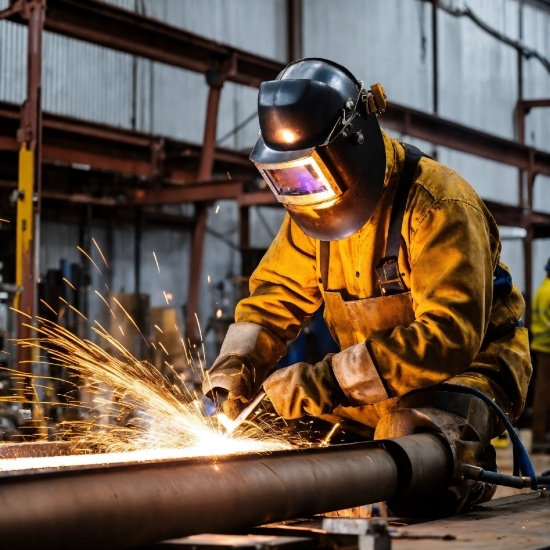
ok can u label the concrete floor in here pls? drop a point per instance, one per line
(505, 463)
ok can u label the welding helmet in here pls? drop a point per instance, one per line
(320, 148)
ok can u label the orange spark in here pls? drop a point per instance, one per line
(21, 312)
(49, 306)
(160, 344)
(130, 319)
(73, 308)
(100, 253)
(106, 303)
(69, 283)
(89, 258)
(156, 261)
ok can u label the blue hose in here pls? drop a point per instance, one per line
(522, 460)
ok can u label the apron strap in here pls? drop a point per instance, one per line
(388, 273)
(389, 278)
(324, 253)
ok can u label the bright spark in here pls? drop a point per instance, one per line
(326, 441)
(166, 297)
(100, 253)
(107, 304)
(73, 308)
(217, 209)
(164, 349)
(164, 421)
(89, 258)
(156, 261)
(21, 312)
(69, 283)
(49, 307)
(130, 319)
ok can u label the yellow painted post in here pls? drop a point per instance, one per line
(24, 232)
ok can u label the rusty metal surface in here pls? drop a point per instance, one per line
(108, 148)
(132, 505)
(93, 21)
(294, 33)
(215, 80)
(106, 25)
(36, 449)
(513, 522)
(463, 138)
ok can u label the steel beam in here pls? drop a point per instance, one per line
(523, 107)
(106, 148)
(294, 29)
(462, 138)
(106, 25)
(122, 151)
(199, 192)
(137, 504)
(215, 79)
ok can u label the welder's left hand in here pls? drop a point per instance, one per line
(304, 389)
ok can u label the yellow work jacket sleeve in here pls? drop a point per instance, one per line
(284, 288)
(540, 325)
(451, 279)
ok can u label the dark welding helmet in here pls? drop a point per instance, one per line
(320, 147)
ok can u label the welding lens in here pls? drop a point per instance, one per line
(300, 182)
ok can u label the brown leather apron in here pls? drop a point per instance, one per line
(351, 322)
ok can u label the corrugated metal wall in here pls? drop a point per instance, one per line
(391, 42)
(387, 41)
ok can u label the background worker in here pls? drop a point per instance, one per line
(540, 345)
(401, 250)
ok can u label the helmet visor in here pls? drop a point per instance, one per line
(300, 182)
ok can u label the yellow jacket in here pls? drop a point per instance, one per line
(449, 251)
(540, 325)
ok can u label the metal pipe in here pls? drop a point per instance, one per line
(133, 505)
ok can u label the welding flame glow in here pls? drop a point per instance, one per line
(136, 413)
(161, 420)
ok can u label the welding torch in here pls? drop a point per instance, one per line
(231, 425)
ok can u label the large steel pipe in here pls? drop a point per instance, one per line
(136, 504)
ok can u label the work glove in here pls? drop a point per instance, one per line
(229, 383)
(249, 352)
(304, 389)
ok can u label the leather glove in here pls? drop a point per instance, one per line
(248, 354)
(304, 389)
(229, 383)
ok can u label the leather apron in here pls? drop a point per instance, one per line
(351, 322)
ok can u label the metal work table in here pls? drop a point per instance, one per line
(521, 521)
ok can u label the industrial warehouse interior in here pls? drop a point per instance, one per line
(274, 274)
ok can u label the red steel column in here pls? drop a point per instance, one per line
(215, 80)
(30, 166)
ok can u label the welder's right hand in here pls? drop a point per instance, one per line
(248, 354)
(229, 383)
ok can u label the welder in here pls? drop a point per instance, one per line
(401, 250)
